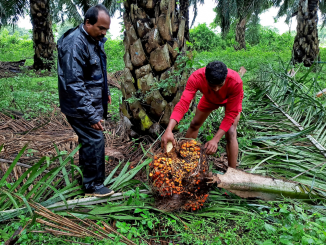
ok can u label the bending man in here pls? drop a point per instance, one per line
(220, 86)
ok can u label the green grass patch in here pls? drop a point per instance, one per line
(29, 94)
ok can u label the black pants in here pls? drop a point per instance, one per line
(91, 154)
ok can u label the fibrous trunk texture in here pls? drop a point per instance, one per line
(155, 35)
(306, 43)
(42, 34)
(240, 35)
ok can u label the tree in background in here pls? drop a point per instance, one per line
(306, 42)
(240, 11)
(11, 11)
(44, 44)
(42, 13)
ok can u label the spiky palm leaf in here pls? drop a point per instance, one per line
(281, 149)
(289, 8)
(11, 11)
(74, 11)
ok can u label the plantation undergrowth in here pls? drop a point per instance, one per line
(269, 144)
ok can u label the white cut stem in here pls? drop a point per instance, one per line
(312, 139)
(323, 92)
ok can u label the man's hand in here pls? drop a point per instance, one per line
(109, 99)
(98, 126)
(167, 137)
(211, 147)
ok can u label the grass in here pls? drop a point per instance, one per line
(36, 93)
(255, 59)
(29, 94)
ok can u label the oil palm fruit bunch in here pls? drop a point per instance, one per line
(178, 178)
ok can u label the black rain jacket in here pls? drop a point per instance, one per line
(82, 77)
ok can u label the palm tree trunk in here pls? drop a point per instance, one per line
(42, 34)
(154, 31)
(306, 43)
(240, 34)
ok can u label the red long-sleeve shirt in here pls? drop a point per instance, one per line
(229, 95)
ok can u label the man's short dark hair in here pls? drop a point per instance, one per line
(216, 72)
(92, 13)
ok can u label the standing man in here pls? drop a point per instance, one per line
(84, 93)
(220, 86)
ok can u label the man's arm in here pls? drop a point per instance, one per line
(168, 135)
(179, 110)
(74, 62)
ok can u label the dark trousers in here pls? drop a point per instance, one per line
(91, 154)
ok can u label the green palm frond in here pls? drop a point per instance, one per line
(322, 8)
(34, 184)
(11, 11)
(280, 148)
(46, 188)
(195, 3)
(64, 10)
(113, 6)
(289, 8)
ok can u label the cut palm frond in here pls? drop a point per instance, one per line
(290, 128)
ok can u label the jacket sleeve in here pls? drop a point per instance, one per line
(75, 63)
(183, 105)
(233, 107)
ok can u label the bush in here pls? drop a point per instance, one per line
(115, 50)
(267, 38)
(271, 40)
(204, 39)
(15, 47)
